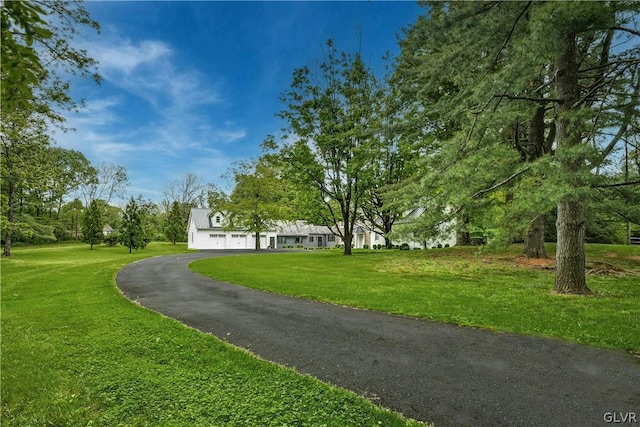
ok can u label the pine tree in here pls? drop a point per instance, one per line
(176, 227)
(519, 98)
(132, 232)
(92, 224)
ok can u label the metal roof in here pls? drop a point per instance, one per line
(201, 218)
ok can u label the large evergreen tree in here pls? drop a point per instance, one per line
(37, 56)
(525, 93)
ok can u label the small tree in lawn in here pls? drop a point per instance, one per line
(175, 223)
(92, 224)
(132, 232)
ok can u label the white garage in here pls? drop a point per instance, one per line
(205, 231)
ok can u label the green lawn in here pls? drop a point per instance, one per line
(76, 353)
(460, 286)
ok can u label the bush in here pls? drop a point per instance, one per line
(405, 247)
(111, 239)
(365, 246)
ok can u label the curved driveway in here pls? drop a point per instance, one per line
(429, 371)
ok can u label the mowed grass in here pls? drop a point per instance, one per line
(75, 352)
(504, 292)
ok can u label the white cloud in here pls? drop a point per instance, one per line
(153, 115)
(148, 70)
(121, 56)
(95, 112)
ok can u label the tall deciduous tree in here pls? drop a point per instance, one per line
(105, 182)
(35, 46)
(510, 63)
(70, 213)
(92, 224)
(331, 114)
(67, 170)
(131, 229)
(189, 190)
(259, 198)
(23, 137)
(389, 164)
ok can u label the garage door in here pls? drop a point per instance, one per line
(238, 241)
(217, 241)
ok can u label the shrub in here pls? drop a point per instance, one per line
(111, 239)
(365, 246)
(404, 247)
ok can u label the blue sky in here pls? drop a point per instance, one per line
(194, 86)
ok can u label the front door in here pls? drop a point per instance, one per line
(319, 241)
(272, 242)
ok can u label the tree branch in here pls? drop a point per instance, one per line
(628, 115)
(619, 184)
(626, 30)
(526, 98)
(500, 184)
(513, 28)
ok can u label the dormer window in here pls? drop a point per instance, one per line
(217, 219)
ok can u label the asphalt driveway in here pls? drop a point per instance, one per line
(429, 371)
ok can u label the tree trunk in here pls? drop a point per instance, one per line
(388, 221)
(570, 253)
(348, 238)
(10, 214)
(534, 239)
(387, 243)
(463, 238)
(257, 241)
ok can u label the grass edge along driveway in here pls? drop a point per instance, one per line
(75, 352)
(459, 285)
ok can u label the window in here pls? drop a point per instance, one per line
(298, 240)
(217, 219)
(331, 238)
(282, 239)
(376, 238)
(238, 236)
(311, 239)
(213, 236)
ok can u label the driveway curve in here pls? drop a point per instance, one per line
(434, 372)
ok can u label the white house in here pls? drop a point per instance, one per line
(364, 235)
(205, 232)
(299, 234)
